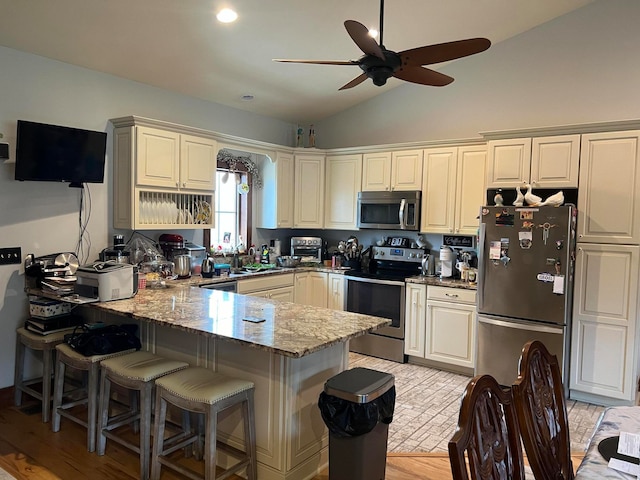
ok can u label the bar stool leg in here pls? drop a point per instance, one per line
(57, 395)
(47, 369)
(210, 450)
(92, 414)
(250, 435)
(19, 371)
(158, 441)
(103, 408)
(145, 428)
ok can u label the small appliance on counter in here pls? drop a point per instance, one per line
(57, 269)
(171, 244)
(118, 252)
(197, 254)
(448, 259)
(275, 246)
(308, 248)
(106, 281)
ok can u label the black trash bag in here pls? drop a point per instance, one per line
(104, 340)
(347, 419)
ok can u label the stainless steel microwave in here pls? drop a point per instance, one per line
(389, 210)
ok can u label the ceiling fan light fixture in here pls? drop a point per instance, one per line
(373, 33)
(226, 15)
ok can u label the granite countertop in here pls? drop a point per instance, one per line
(197, 280)
(289, 329)
(441, 282)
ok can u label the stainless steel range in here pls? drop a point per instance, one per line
(380, 292)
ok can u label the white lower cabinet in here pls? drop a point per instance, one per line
(414, 326)
(440, 326)
(336, 292)
(274, 287)
(603, 337)
(311, 288)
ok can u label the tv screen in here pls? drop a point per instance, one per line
(53, 153)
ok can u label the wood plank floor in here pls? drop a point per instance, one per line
(30, 451)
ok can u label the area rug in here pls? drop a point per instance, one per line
(4, 475)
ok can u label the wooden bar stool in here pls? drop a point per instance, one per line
(68, 357)
(203, 391)
(135, 371)
(46, 344)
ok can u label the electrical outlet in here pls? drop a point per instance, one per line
(10, 256)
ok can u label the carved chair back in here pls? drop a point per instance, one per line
(542, 413)
(486, 444)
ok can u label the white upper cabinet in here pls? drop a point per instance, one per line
(309, 191)
(392, 171)
(608, 200)
(173, 160)
(344, 179)
(453, 189)
(544, 162)
(274, 201)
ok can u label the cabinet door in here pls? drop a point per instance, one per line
(198, 163)
(284, 190)
(376, 172)
(335, 292)
(157, 157)
(508, 163)
(414, 336)
(603, 356)
(470, 188)
(284, 294)
(301, 288)
(406, 170)
(555, 161)
(451, 333)
(309, 191)
(317, 289)
(439, 190)
(344, 179)
(608, 199)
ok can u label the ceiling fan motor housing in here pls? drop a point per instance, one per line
(380, 70)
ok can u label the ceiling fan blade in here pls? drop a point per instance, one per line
(356, 81)
(443, 52)
(317, 62)
(423, 76)
(360, 35)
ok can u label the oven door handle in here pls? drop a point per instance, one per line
(401, 214)
(375, 280)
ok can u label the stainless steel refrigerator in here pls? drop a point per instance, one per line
(525, 285)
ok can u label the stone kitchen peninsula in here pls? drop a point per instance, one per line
(288, 356)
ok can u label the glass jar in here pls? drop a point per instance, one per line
(157, 272)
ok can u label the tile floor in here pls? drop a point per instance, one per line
(428, 401)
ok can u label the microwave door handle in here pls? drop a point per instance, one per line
(403, 223)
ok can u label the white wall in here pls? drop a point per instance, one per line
(582, 67)
(42, 217)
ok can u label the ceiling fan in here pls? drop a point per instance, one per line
(379, 64)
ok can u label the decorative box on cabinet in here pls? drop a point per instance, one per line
(603, 338)
(544, 162)
(392, 171)
(453, 189)
(162, 178)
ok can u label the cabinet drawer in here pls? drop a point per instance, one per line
(459, 295)
(266, 282)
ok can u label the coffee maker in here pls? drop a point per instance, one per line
(448, 260)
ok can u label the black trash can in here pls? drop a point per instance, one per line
(357, 407)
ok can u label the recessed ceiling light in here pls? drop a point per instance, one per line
(226, 15)
(247, 97)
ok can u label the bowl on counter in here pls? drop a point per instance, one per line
(288, 261)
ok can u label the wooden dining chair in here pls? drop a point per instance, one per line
(542, 413)
(486, 444)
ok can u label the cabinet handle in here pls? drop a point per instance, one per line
(451, 295)
(178, 184)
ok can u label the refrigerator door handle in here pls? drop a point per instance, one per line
(533, 327)
(481, 262)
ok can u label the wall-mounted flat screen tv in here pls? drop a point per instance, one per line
(52, 153)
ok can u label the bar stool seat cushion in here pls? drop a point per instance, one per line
(31, 338)
(201, 385)
(141, 366)
(79, 358)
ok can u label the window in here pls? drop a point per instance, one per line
(232, 212)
